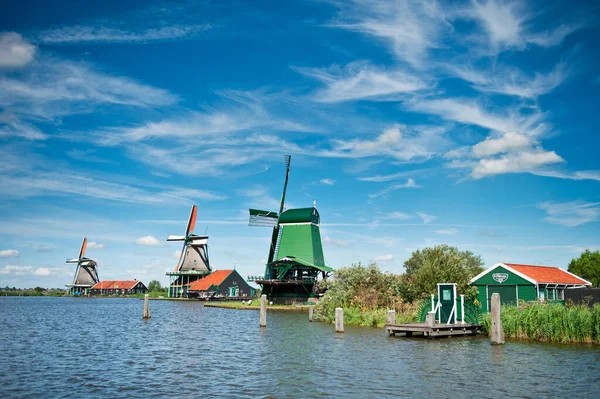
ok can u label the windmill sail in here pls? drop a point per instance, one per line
(86, 272)
(193, 262)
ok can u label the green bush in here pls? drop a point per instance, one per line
(365, 293)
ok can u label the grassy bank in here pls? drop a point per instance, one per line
(550, 323)
(254, 306)
(406, 313)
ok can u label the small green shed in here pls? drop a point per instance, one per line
(515, 282)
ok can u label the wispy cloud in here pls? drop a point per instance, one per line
(407, 145)
(410, 28)
(106, 34)
(327, 182)
(571, 214)
(426, 218)
(449, 232)
(410, 183)
(506, 24)
(15, 52)
(95, 245)
(510, 80)
(384, 258)
(9, 253)
(393, 176)
(361, 80)
(336, 243)
(400, 215)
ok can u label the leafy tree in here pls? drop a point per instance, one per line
(154, 285)
(587, 266)
(438, 264)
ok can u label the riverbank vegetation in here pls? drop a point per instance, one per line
(550, 322)
(366, 293)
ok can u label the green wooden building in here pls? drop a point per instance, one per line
(515, 282)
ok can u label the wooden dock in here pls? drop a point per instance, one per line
(435, 331)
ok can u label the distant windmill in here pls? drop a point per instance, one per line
(295, 255)
(86, 273)
(193, 263)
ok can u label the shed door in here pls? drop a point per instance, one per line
(446, 295)
(508, 295)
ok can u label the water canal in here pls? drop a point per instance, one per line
(98, 348)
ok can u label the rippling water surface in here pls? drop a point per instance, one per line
(98, 348)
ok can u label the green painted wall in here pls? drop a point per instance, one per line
(302, 241)
(527, 291)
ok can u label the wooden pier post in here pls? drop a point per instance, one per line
(146, 306)
(391, 319)
(310, 314)
(339, 320)
(462, 309)
(497, 332)
(263, 310)
(430, 319)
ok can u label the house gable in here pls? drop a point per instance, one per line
(501, 275)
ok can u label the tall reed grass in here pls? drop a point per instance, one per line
(550, 322)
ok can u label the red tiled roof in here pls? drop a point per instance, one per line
(547, 274)
(215, 278)
(115, 284)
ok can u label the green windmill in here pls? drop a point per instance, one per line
(295, 259)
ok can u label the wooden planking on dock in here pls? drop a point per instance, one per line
(435, 331)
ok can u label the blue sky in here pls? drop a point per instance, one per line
(412, 124)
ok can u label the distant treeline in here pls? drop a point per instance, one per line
(37, 291)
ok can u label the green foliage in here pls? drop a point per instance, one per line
(587, 266)
(550, 322)
(365, 293)
(154, 285)
(438, 264)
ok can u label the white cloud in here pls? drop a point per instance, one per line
(9, 253)
(405, 145)
(327, 182)
(410, 183)
(13, 127)
(411, 28)
(53, 87)
(15, 52)
(507, 142)
(149, 241)
(449, 232)
(465, 111)
(571, 214)
(104, 34)
(507, 25)
(511, 81)
(52, 271)
(524, 161)
(93, 244)
(17, 270)
(384, 258)
(35, 183)
(400, 215)
(30, 270)
(426, 218)
(394, 176)
(360, 80)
